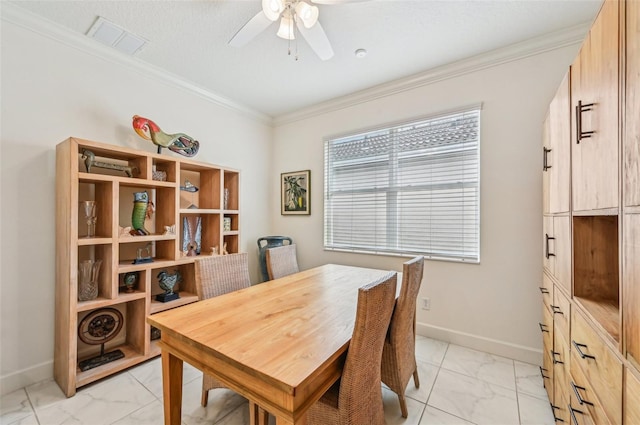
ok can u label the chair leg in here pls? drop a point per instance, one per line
(205, 398)
(416, 380)
(403, 406)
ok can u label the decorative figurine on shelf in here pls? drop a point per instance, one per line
(130, 280)
(124, 232)
(191, 188)
(179, 142)
(170, 230)
(214, 250)
(192, 235)
(167, 282)
(141, 258)
(90, 161)
(97, 328)
(142, 209)
(224, 249)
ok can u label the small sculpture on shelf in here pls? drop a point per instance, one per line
(124, 232)
(130, 279)
(167, 282)
(143, 255)
(214, 250)
(190, 187)
(224, 249)
(178, 143)
(142, 209)
(170, 230)
(97, 328)
(90, 161)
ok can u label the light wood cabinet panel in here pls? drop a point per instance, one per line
(631, 286)
(548, 245)
(562, 234)
(632, 398)
(584, 401)
(631, 170)
(595, 82)
(559, 157)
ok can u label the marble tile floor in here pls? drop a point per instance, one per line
(458, 386)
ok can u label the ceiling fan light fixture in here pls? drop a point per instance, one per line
(307, 13)
(272, 8)
(286, 28)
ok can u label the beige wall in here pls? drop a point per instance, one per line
(51, 91)
(494, 305)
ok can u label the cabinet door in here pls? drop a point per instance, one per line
(547, 166)
(562, 234)
(631, 286)
(560, 143)
(632, 119)
(632, 399)
(548, 245)
(594, 85)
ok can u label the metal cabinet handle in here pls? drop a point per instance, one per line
(542, 371)
(580, 108)
(542, 327)
(573, 414)
(553, 410)
(556, 309)
(545, 159)
(548, 238)
(544, 290)
(578, 396)
(579, 350)
(553, 356)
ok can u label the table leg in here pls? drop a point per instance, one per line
(257, 415)
(172, 388)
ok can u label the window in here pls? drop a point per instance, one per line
(409, 189)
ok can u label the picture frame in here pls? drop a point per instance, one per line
(295, 193)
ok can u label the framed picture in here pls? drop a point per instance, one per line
(295, 194)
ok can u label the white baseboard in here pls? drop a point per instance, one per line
(25, 377)
(493, 346)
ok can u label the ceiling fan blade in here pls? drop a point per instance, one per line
(250, 30)
(317, 39)
(336, 1)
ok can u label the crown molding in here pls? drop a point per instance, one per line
(32, 22)
(534, 46)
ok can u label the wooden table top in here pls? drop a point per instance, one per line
(282, 331)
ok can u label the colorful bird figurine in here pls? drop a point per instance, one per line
(179, 142)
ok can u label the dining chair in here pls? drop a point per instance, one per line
(399, 353)
(281, 261)
(219, 275)
(356, 398)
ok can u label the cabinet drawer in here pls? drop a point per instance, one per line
(560, 407)
(561, 309)
(547, 373)
(599, 365)
(632, 399)
(546, 290)
(560, 356)
(546, 327)
(584, 404)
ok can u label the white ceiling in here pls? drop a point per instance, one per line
(189, 39)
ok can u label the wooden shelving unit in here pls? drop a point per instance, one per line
(112, 190)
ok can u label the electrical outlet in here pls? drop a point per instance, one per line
(426, 304)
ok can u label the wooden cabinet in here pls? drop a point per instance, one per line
(556, 152)
(595, 105)
(113, 178)
(631, 145)
(594, 266)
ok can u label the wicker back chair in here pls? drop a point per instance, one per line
(219, 275)
(281, 261)
(356, 399)
(399, 356)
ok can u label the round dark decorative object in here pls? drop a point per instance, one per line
(100, 326)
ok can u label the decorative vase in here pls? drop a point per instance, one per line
(88, 271)
(265, 243)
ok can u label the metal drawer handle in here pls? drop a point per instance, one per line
(578, 396)
(542, 371)
(544, 290)
(578, 349)
(580, 108)
(555, 418)
(545, 160)
(547, 238)
(573, 414)
(556, 309)
(542, 327)
(553, 355)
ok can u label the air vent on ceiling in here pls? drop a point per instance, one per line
(106, 32)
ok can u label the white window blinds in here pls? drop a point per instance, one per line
(410, 189)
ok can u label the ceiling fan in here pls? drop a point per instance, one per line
(294, 15)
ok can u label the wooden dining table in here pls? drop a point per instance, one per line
(280, 344)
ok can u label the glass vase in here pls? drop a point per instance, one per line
(88, 271)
